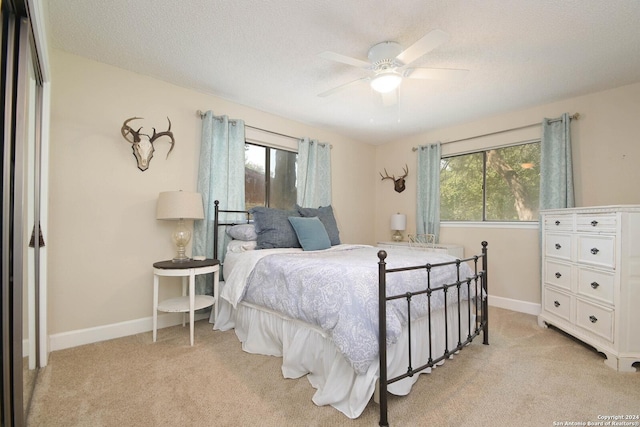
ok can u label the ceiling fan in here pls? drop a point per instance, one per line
(388, 64)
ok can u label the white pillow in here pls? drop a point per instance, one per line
(245, 232)
(237, 246)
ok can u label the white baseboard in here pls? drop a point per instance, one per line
(116, 330)
(132, 327)
(515, 305)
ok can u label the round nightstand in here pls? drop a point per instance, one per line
(189, 301)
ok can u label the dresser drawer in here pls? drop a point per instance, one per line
(596, 284)
(558, 274)
(597, 250)
(595, 318)
(557, 303)
(605, 223)
(558, 222)
(558, 245)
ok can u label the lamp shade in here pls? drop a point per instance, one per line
(398, 222)
(386, 82)
(179, 205)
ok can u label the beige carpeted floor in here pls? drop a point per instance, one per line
(528, 376)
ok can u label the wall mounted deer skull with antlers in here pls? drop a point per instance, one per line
(398, 183)
(142, 144)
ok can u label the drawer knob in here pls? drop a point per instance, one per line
(595, 251)
(558, 246)
(558, 275)
(595, 285)
(593, 319)
(557, 222)
(594, 223)
(556, 303)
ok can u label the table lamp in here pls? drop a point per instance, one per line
(398, 224)
(180, 205)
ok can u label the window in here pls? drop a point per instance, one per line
(494, 185)
(276, 189)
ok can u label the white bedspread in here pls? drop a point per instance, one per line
(337, 291)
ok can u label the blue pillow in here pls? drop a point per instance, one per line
(273, 228)
(325, 215)
(311, 233)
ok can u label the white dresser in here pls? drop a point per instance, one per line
(453, 250)
(591, 278)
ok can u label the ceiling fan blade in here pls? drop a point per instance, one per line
(426, 44)
(332, 56)
(390, 98)
(436, 73)
(342, 87)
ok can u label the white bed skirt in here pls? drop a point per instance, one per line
(307, 350)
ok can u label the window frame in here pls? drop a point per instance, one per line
(267, 175)
(490, 223)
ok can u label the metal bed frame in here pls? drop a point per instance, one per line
(481, 322)
(481, 316)
(217, 224)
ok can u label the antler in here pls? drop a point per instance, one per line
(165, 133)
(387, 176)
(406, 171)
(126, 130)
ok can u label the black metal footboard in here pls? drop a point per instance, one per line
(476, 285)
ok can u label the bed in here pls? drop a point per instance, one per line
(358, 321)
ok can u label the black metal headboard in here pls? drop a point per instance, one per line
(217, 224)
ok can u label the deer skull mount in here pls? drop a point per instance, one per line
(398, 183)
(142, 144)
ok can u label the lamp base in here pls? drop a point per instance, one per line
(181, 237)
(397, 236)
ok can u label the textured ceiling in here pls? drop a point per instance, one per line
(264, 53)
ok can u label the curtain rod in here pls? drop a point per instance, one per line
(575, 116)
(201, 115)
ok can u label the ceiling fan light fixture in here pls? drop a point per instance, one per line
(386, 82)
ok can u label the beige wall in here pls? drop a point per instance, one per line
(104, 236)
(606, 152)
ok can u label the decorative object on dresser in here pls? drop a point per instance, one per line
(427, 244)
(398, 183)
(180, 205)
(422, 240)
(142, 144)
(591, 278)
(398, 225)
